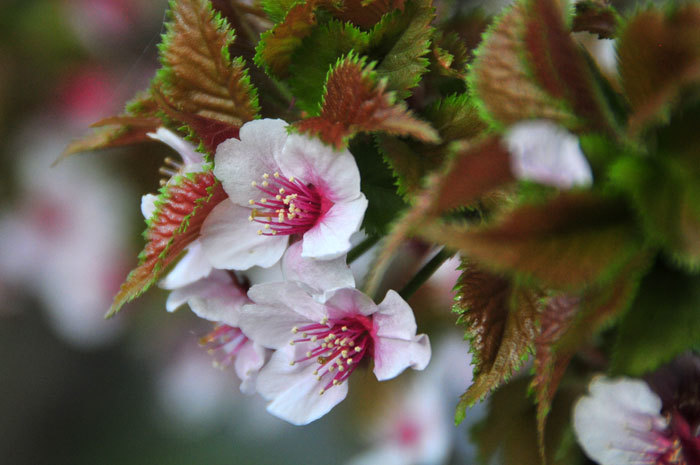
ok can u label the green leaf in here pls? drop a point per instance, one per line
(183, 205)
(528, 66)
(456, 117)
(276, 10)
(316, 56)
(661, 324)
(402, 39)
(659, 55)
(500, 317)
(569, 242)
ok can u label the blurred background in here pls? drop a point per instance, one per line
(137, 389)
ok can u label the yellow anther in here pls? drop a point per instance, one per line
(313, 338)
(266, 176)
(349, 361)
(358, 349)
(308, 354)
(335, 382)
(259, 232)
(292, 363)
(295, 330)
(251, 202)
(263, 200)
(281, 191)
(344, 354)
(265, 183)
(324, 320)
(341, 368)
(253, 183)
(277, 175)
(267, 226)
(274, 233)
(278, 197)
(291, 179)
(320, 393)
(344, 328)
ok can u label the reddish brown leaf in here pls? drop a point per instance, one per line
(181, 210)
(557, 316)
(355, 102)
(365, 13)
(199, 78)
(658, 56)
(596, 17)
(569, 242)
(277, 45)
(501, 322)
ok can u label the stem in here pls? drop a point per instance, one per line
(357, 251)
(425, 273)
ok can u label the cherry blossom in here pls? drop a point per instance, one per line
(281, 185)
(544, 152)
(623, 421)
(321, 335)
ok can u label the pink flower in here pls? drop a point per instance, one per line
(219, 298)
(281, 185)
(621, 421)
(546, 153)
(321, 335)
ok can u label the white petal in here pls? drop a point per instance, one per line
(542, 151)
(230, 241)
(348, 302)
(389, 454)
(192, 267)
(323, 275)
(294, 390)
(395, 318)
(392, 356)
(278, 308)
(237, 163)
(258, 275)
(249, 361)
(193, 159)
(618, 421)
(334, 174)
(330, 236)
(148, 205)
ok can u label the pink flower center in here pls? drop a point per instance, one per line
(288, 205)
(224, 343)
(337, 345)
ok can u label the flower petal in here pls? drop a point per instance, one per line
(619, 421)
(395, 318)
(278, 308)
(192, 267)
(237, 163)
(249, 361)
(543, 152)
(347, 302)
(334, 174)
(392, 356)
(294, 390)
(330, 236)
(148, 205)
(193, 159)
(323, 275)
(230, 241)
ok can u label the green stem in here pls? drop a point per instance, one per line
(425, 273)
(357, 251)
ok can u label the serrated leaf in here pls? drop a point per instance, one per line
(276, 46)
(129, 128)
(366, 13)
(402, 40)
(199, 78)
(567, 243)
(181, 209)
(276, 10)
(597, 17)
(658, 55)
(529, 67)
(450, 55)
(556, 318)
(318, 53)
(500, 317)
(661, 324)
(355, 101)
(456, 117)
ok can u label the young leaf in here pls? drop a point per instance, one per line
(276, 46)
(355, 101)
(276, 10)
(408, 34)
(129, 128)
(596, 17)
(366, 13)
(456, 117)
(658, 54)
(529, 67)
(661, 324)
(500, 317)
(199, 78)
(316, 56)
(568, 243)
(181, 210)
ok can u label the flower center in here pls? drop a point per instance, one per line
(337, 345)
(288, 206)
(224, 343)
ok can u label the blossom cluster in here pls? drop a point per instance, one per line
(269, 269)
